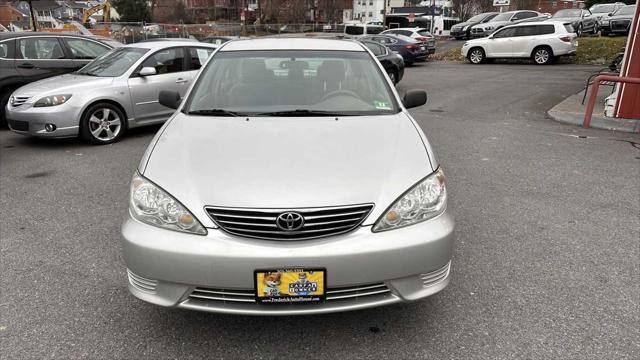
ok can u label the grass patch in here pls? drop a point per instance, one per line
(591, 50)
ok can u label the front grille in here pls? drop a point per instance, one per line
(620, 25)
(141, 283)
(19, 125)
(357, 292)
(262, 223)
(19, 100)
(436, 276)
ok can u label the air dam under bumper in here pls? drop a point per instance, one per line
(167, 268)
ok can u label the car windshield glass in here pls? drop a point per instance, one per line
(113, 63)
(477, 18)
(503, 17)
(627, 10)
(292, 83)
(568, 13)
(603, 8)
(374, 29)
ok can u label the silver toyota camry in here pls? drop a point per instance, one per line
(115, 92)
(291, 180)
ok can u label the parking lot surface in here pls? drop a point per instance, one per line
(545, 264)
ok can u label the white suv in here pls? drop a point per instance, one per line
(540, 41)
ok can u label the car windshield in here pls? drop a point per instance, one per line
(354, 30)
(567, 13)
(374, 29)
(627, 10)
(291, 83)
(603, 8)
(503, 17)
(477, 18)
(113, 63)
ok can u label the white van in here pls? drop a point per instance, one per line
(359, 30)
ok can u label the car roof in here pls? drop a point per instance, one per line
(11, 35)
(152, 45)
(407, 28)
(286, 43)
(542, 22)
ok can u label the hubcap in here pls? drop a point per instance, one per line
(392, 76)
(542, 56)
(476, 56)
(104, 124)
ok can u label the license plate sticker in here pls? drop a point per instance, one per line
(290, 285)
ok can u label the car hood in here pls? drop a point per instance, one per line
(618, 17)
(466, 23)
(63, 83)
(494, 24)
(287, 162)
(565, 19)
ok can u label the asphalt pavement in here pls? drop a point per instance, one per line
(546, 262)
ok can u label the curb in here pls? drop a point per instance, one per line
(597, 121)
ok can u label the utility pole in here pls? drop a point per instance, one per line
(33, 18)
(384, 13)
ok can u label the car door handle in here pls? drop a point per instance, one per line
(181, 80)
(26, 66)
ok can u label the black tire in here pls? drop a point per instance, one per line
(103, 123)
(476, 55)
(459, 37)
(542, 55)
(595, 29)
(408, 63)
(4, 99)
(393, 75)
(603, 33)
(579, 30)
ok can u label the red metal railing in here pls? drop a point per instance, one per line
(594, 92)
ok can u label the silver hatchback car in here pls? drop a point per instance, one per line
(291, 180)
(115, 92)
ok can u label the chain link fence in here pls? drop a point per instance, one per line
(134, 32)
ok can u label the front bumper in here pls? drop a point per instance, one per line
(458, 33)
(28, 120)
(174, 269)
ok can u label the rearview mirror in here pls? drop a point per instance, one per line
(414, 98)
(170, 99)
(147, 71)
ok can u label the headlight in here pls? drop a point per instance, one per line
(604, 22)
(53, 100)
(423, 201)
(152, 205)
(465, 28)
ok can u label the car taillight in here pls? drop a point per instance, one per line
(565, 38)
(410, 46)
(422, 39)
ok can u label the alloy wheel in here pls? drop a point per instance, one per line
(541, 56)
(104, 124)
(476, 56)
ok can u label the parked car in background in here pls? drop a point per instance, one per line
(30, 56)
(463, 30)
(501, 20)
(619, 22)
(219, 40)
(280, 192)
(602, 10)
(411, 50)
(359, 30)
(580, 19)
(541, 41)
(391, 61)
(115, 92)
(420, 34)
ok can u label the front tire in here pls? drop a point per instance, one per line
(102, 123)
(4, 99)
(579, 30)
(476, 55)
(542, 55)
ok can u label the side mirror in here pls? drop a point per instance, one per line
(610, 14)
(170, 99)
(147, 71)
(414, 98)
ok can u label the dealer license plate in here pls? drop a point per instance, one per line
(290, 285)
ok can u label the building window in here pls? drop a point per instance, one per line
(554, 4)
(370, 14)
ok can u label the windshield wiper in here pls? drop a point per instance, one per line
(215, 112)
(302, 112)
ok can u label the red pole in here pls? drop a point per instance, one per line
(594, 93)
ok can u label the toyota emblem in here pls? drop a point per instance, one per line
(290, 221)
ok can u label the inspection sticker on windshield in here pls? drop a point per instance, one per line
(382, 105)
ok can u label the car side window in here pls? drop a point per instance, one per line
(529, 14)
(545, 29)
(376, 49)
(6, 50)
(508, 32)
(85, 49)
(166, 61)
(34, 48)
(529, 30)
(198, 56)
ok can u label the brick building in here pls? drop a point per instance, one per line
(10, 16)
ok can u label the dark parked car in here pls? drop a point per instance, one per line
(392, 62)
(411, 50)
(619, 22)
(463, 30)
(27, 57)
(580, 19)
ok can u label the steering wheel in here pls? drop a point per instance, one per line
(338, 93)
